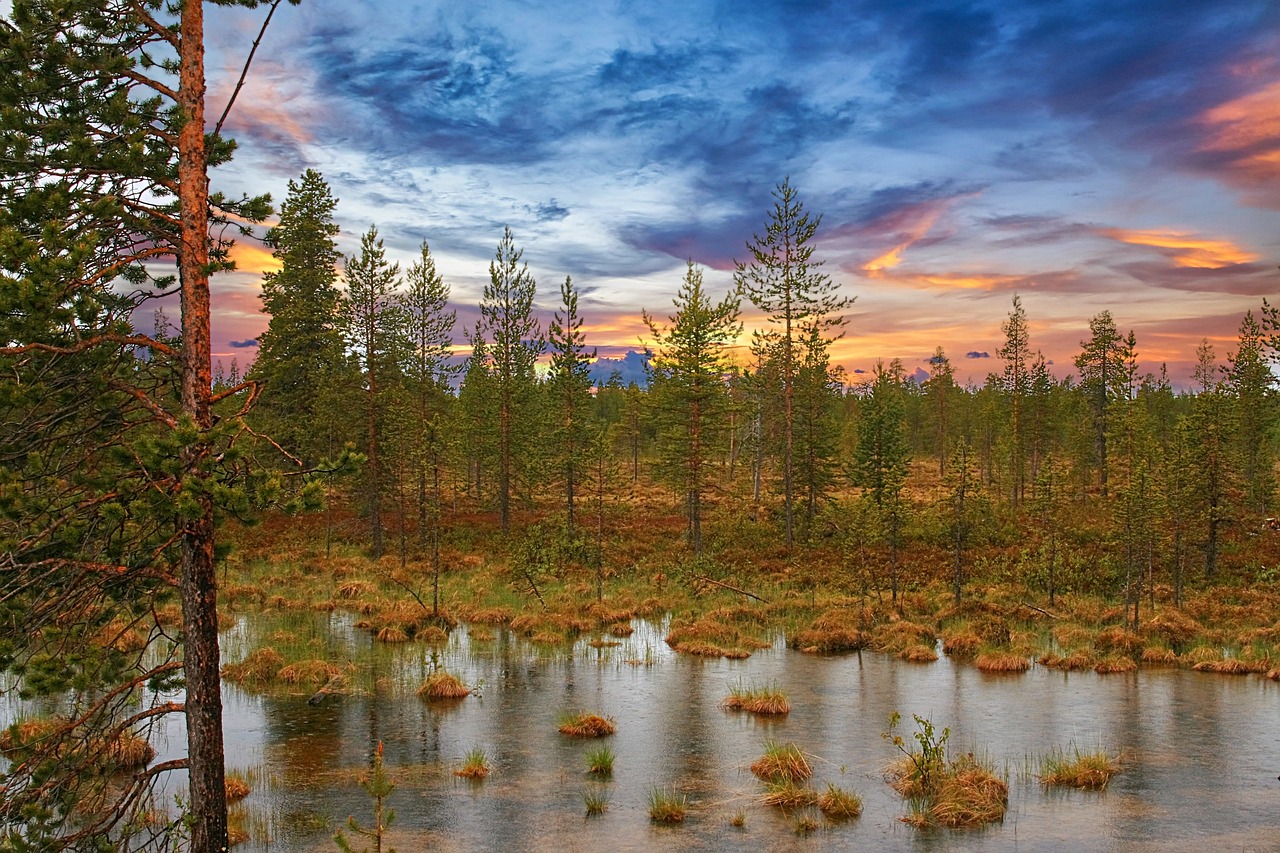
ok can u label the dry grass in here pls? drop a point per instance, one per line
(443, 684)
(789, 795)
(1113, 664)
(897, 637)
(1077, 660)
(1230, 666)
(392, 634)
(998, 661)
(129, 751)
(1091, 771)
(26, 733)
(1119, 641)
(1158, 656)
(237, 786)
(757, 700)
(782, 762)
(587, 725)
(258, 667)
(963, 645)
(310, 673)
(970, 795)
(839, 804)
(919, 654)
(433, 635)
(474, 766)
(667, 806)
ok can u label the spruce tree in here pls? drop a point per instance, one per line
(1016, 384)
(688, 390)
(514, 343)
(881, 459)
(570, 387)
(804, 309)
(301, 356)
(1101, 366)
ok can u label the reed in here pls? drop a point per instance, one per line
(1090, 770)
(782, 762)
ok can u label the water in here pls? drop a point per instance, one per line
(1201, 752)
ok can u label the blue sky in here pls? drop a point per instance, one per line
(1085, 155)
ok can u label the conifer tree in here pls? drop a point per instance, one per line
(803, 306)
(515, 342)
(941, 390)
(1016, 384)
(375, 327)
(689, 364)
(104, 161)
(570, 387)
(1102, 380)
(881, 458)
(1249, 381)
(300, 355)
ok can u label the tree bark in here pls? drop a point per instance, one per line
(198, 584)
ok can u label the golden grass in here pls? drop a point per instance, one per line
(474, 766)
(129, 751)
(1113, 664)
(443, 684)
(1201, 654)
(962, 646)
(237, 787)
(26, 733)
(311, 673)
(392, 634)
(433, 635)
(1158, 656)
(997, 661)
(789, 795)
(1091, 771)
(970, 795)
(587, 725)
(1119, 641)
(839, 804)
(667, 806)
(919, 654)
(897, 637)
(757, 700)
(258, 667)
(1230, 666)
(782, 762)
(1077, 660)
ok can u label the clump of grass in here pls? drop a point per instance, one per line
(586, 725)
(919, 653)
(475, 765)
(738, 819)
(600, 761)
(1230, 666)
(27, 733)
(237, 786)
(769, 700)
(443, 684)
(667, 805)
(259, 667)
(962, 646)
(1114, 664)
(129, 751)
(998, 661)
(596, 801)
(480, 635)
(314, 673)
(782, 762)
(785, 793)
(433, 635)
(839, 804)
(1091, 770)
(942, 792)
(392, 634)
(1076, 660)
(897, 637)
(806, 824)
(1159, 656)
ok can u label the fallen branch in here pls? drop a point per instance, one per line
(731, 588)
(1039, 610)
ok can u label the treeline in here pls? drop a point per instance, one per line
(784, 436)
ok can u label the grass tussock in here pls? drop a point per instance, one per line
(782, 762)
(259, 667)
(586, 725)
(443, 684)
(919, 653)
(600, 761)
(596, 802)
(998, 661)
(960, 792)
(1159, 656)
(1088, 771)
(897, 637)
(717, 634)
(475, 765)
(237, 786)
(771, 700)
(1071, 662)
(667, 805)
(839, 804)
(1230, 666)
(963, 645)
(788, 794)
(1112, 664)
(309, 673)
(128, 751)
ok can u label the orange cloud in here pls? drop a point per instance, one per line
(252, 258)
(923, 218)
(1188, 250)
(1242, 139)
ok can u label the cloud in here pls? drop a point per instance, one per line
(977, 354)
(548, 211)
(1186, 250)
(248, 343)
(630, 367)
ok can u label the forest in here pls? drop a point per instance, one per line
(378, 458)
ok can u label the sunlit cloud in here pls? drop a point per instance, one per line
(1187, 250)
(910, 225)
(252, 258)
(1243, 139)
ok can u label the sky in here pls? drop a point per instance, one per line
(1084, 155)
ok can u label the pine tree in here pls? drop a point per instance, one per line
(570, 387)
(688, 388)
(515, 342)
(1249, 381)
(300, 355)
(375, 327)
(104, 160)
(881, 458)
(1016, 384)
(941, 390)
(1101, 366)
(803, 306)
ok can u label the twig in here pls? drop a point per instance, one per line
(732, 588)
(1038, 610)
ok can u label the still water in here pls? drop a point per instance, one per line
(1201, 752)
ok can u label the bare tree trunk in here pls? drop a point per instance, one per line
(199, 582)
